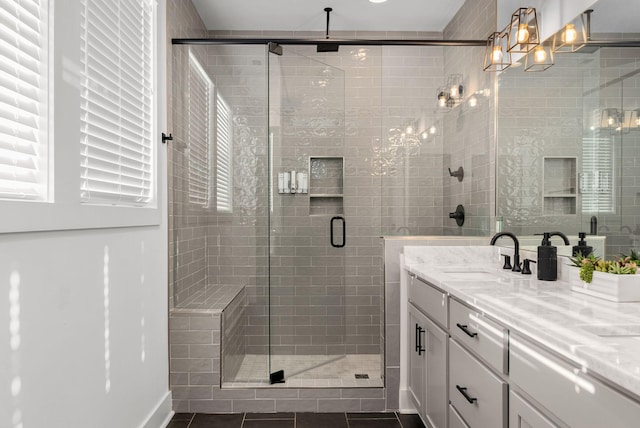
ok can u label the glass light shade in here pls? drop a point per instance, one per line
(610, 119)
(539, 59)
(523, 30)
(442, 97)
(572, 37)
(454, 85)
(630, 120)
(496, 55)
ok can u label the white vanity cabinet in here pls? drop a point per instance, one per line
(567, 391)
(523, 415)
(471, 369)
(427, 381)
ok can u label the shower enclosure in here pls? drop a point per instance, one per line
(305, 254)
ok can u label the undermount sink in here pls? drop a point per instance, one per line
(613, 330)
(465, 273)
(473, 276)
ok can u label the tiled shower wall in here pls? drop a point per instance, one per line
(469, 130)
(187, 226)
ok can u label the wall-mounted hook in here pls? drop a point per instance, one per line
(459, 173)
(166, 138)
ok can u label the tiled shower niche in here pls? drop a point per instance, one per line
(326, 184)
(560, 185)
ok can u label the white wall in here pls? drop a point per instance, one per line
(83, 324)
(73, 289)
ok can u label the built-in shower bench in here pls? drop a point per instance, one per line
(199, 327)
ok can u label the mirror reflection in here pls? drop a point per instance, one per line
(569, 138)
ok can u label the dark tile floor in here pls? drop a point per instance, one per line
(296, 420)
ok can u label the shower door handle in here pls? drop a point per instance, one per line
(344, 232)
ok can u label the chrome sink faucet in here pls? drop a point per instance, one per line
(516, 248)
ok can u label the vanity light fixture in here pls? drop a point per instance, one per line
(377, 1)
(451, 94)
(523, 30)
(574, 35)
(630, 121)
(539, 59)
(496, 54)
(610, 119)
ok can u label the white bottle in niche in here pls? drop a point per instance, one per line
(285, 188)
(300, 181)
(305, 182)
(281, 182)
(294, 184)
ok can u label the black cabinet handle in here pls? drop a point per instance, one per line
(419, 347)
(463, 391)
(344, 232)
(465, 328)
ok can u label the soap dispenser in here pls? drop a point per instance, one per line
(582, 246)
(547, 260)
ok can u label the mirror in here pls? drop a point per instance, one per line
(568, 155)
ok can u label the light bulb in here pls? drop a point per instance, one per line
(442, 99)
(523, 34)
(454, 91)
(570, 34)
(496, 55)
(432, 130)
(473, 101)
(610, 121)
(409, 130)
(424, 135)
(539, 55)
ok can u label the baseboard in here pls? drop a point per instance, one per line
(161, 415)
(406, 403)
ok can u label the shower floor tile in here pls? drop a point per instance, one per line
(310, 371)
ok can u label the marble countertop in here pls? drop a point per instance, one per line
(595, 334)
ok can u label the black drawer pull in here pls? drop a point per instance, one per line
(463, 391)
(466, 330)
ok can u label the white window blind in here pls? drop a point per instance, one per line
(199, 109)
(24, 99)
(596, 179)
(117, 102)
(224, 150)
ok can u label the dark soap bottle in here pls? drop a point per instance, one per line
(547, 260)
(582, 246)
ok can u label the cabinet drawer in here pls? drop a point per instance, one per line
(476, 393)
(428, 299)
(566, 391)
(485, 337)
(455, 420)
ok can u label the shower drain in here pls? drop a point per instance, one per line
(362, 376)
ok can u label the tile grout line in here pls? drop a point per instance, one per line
(191, 420)
(398, 419)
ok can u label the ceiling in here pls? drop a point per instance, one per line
(309, 15)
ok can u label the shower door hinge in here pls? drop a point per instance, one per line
(166, 138)
(276, 377)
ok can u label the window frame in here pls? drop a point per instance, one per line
(64, 210)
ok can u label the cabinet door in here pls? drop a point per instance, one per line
(417, 357)
(436, 395)
(524, 415)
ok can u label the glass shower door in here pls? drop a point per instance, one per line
(307, 232)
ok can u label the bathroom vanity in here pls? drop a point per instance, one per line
(493, 348)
